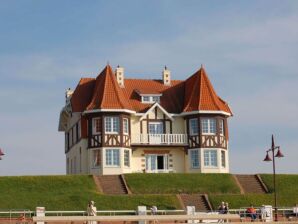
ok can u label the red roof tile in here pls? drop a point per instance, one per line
(196, 93)
(107, 93)
(82, 94)
(200, 94)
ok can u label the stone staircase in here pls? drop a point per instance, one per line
(251, 184)
(200, 201)
(112, 184)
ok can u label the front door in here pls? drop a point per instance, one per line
(155, 132)
(156, 163)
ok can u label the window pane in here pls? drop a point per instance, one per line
(96, 158)
(223, 158)
(205, 129)
(193, 126)
(213, 156)
(194, 155)
(108, 124)
(221, 127)
(156, 128)
(206, 158)
(155, 98)
(146, 98)
(116, 159)
(212, 123)
(126, 158)
(125, 126)
(116, 125)
(108, 157)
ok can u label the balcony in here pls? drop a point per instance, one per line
(159, 139)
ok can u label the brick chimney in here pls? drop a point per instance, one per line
(120, 75)
(166, 76)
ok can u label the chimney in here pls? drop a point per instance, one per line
(166, 76)
(68, 94)
(120, 76)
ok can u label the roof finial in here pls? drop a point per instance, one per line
(166, 67)
(202, 66)
(108, 63)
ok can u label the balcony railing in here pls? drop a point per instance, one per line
(160, 139)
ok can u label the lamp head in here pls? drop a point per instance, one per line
(267, 158)
(1, 152)
(279, 154)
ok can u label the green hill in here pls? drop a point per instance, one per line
(72, 192)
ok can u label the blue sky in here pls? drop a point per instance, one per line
(249, 49)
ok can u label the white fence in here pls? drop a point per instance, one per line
(160, 139)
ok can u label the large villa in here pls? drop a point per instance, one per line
(116, 125)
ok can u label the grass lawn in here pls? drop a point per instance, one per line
(181, 183)
(285, 183)
(70, 193)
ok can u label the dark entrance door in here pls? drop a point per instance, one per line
(160, 162)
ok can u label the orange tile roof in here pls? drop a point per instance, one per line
(107, 93)
(200, 94)
(196, 93)
(82, 95)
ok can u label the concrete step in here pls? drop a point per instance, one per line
(112, 184)
(250, 184)
(197, 200)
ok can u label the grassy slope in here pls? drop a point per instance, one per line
(181, 183)
(69, 193)
(287, 188)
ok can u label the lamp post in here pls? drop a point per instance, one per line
(1, 154)
(268, 159)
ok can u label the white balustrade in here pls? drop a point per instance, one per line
(160, 139)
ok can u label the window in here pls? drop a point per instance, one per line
(155, 128)
(96, 126)
(146, 98)
(194, 158)
(210, 158)
(112, 125)
(223, 159)
(221, 126)
(112, 157)
(208, 125)
(193, 126)
(126, 158)
(96, 158)
(151, 99)
(155, 99)
(125, 126)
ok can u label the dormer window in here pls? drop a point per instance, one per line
(151, 99)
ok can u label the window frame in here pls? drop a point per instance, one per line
(221, 127)
(208, 161)
(96, 154)
(206, 130)
(191, 133)
(126, 158)
(115, 161)
(197, 157)
(113, 120)
(96, 121)
(125, 126)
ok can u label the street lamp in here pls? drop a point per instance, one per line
(268, 159)
(1, 154)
